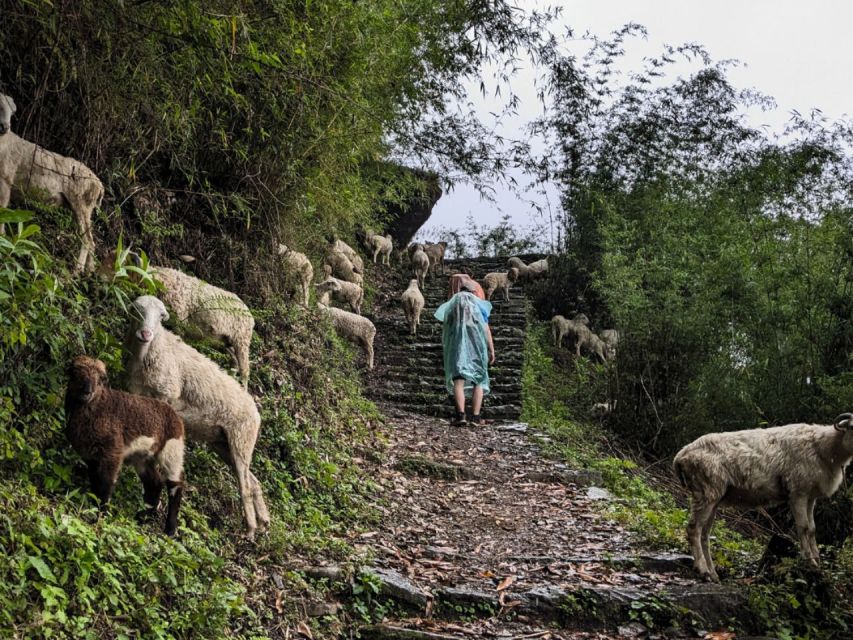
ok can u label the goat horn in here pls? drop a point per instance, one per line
(843, 420)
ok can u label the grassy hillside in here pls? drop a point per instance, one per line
(68, 572)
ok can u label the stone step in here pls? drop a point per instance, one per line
(437, 395)
(402, 371)
(420, 384)
(445, 410)
(409, 370)
(501, 343)
(579, 607)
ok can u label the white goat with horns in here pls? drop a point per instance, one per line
(797, 464)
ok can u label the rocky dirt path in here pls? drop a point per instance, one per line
(484, 537)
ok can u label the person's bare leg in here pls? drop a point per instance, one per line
(477, 400)
(459, 395)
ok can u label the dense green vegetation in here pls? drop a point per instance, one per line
(721, 252)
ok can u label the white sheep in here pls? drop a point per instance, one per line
(593, 345)
(215, 408)
(420, 264)
(381, 245)
(578, 330)
(538, 268)
(354, 328)
(341, 290)
(342, 247)
(494, 282)
(298, 271)
(797, 464)
(435, 252)
(528, 272)
(219, 313)
(560, 328)
(27, 170)
(413, 304)
(340, 266)
(610, 337)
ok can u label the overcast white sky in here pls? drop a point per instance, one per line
(799, 52)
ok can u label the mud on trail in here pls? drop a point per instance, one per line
(482, 536)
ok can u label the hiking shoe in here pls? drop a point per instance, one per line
(459, 420)
(479, 420)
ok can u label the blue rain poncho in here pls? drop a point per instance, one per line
(466, 352)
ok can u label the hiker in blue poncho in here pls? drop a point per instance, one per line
(468, 349)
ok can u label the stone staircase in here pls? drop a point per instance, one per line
(409, 372)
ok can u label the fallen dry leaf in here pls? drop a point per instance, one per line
(304, 630)
(506, 582)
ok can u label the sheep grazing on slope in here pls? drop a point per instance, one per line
(107, 427)
(215, 409)
(610, 337)
(340, 266)
(578, 330)
(797, 464)
(494, 282)
(435, 252)
(219, 313)
(340, 246)
(561, 327)
(413, 305)
(381, 245)
(538, 268)
(354, 328)
(298, 271)
(420, 264)
(347, 292)
(528, 272)
(27, 170)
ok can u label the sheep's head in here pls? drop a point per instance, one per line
(86, 378)
(7, 110)
(512, 274)
(518, 263)
(151, 314)
(328, 286)
(581, 318)
(282, 249)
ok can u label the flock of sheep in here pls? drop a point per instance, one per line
(176, 392)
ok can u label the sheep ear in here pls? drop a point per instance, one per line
(164, 316)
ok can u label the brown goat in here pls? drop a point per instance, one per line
(106, 427)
